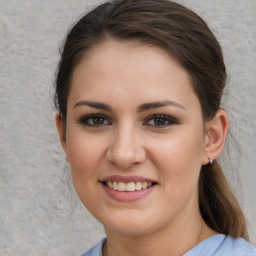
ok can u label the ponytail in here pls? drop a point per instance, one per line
(218, 205)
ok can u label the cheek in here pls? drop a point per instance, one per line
(179, 167)
(85, 155)
(179, 159)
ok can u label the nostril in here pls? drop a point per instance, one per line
(126, 157)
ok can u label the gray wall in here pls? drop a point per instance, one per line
(39, 213)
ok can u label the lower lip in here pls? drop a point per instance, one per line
(128, 196)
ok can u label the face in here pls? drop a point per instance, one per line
(134, 138)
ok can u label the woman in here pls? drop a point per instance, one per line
(138, 93)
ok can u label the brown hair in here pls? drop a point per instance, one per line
(184, 35)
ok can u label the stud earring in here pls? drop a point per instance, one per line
(210, 161)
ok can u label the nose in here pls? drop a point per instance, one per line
(126, 148)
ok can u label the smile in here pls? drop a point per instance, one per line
(129, 186)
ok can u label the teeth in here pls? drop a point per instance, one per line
(130, 186)
(121, 186)
(109, 184)
(138, 186)
(115, 185)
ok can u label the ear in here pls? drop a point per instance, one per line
(61, 131)
(216, 132)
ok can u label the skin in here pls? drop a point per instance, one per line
(128, 142)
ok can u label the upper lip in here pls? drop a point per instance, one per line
(126, 179)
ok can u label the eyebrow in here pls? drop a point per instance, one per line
(141, 108)
(159, 104)
(93, 104)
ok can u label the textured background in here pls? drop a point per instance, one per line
(39, 213)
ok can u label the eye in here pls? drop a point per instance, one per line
(160, 120)
(95, 120)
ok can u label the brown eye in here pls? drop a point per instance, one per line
(95, 120)
(160, 121)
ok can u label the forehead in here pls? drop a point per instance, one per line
(129, 70)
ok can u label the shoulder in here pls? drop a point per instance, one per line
(236, 246)
(96, 250)
(221, 245)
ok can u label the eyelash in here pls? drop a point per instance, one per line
(164, 120)
(168, 121)
(85, 120)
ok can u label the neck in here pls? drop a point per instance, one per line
(174, 239)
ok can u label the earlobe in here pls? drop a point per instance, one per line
(61, 131)
(216, 132)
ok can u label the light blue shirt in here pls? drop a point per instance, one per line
(219, 245)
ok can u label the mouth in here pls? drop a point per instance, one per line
(128, 186)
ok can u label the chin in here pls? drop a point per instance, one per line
(129, 229)
(130, 224)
